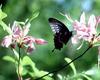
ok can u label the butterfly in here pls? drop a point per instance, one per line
(61, 33)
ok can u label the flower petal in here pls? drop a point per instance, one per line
(26, 29)
(28, 39)
(97, 20)
(7, 41)
(92, 24)
(74, 39)
(40, 41)
(17, 30)
(76, 25)
(30, 48)
(82, 18)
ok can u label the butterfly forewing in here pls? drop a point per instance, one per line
(57, 26)
(61, 33)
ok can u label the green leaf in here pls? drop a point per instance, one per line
(5, 27)
(24, 71)
(79, 79)
(35, 14)
(27, 61)
(60, 77)
(87, 77)
(9, 58)
(71, 65)
(2, 14)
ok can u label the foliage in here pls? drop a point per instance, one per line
(42, 60)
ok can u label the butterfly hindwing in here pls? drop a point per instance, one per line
(61, 33)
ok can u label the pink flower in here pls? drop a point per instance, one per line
(19, 36)
(29, 40)
(85, 31)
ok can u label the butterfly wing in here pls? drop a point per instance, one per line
(57, 26)
(61, 33)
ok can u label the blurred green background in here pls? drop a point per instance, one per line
(20, 10)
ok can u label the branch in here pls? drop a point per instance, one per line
(57, 70)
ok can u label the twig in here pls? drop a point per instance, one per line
(57, 70)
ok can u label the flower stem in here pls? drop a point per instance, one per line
(99, 58)
(98, 61)
(57, 70)
(19, 75)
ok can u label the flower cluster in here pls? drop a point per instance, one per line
(19, 37)
(86, 31)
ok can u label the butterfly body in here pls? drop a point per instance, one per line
(61, 33)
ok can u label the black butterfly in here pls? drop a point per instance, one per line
(61, 33)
